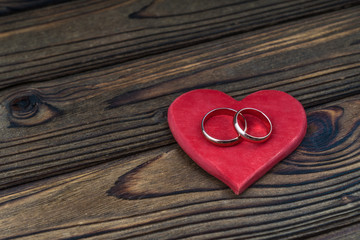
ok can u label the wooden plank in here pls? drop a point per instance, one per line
(11, 6)
(348, 232)
(66, 124)
(82, 35)
(162, 194)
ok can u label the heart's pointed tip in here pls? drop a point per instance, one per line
(239, 188)
(236, 186)
(236, 191)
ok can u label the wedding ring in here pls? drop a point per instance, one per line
(261, 116)
(221, 111)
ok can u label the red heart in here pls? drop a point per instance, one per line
(240, 165)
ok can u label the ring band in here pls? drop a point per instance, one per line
(257, 113)
(216, 112)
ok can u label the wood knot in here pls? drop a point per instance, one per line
(28, 108)
(24, 106)
(323, 128)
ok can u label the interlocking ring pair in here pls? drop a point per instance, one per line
(242, 134)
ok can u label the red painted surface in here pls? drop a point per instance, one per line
(240, 165)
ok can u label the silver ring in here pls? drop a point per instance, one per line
(257, 113)
(216, 112)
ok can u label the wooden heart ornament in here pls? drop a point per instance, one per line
(240, 165)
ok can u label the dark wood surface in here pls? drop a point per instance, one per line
(10, 6)
(85, 148)
(82, 35)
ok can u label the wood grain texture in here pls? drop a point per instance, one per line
(59, 126)
(82, 35)
(350, 232)
(10, 6)
(162, 194)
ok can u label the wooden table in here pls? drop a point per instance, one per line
(85, 148)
